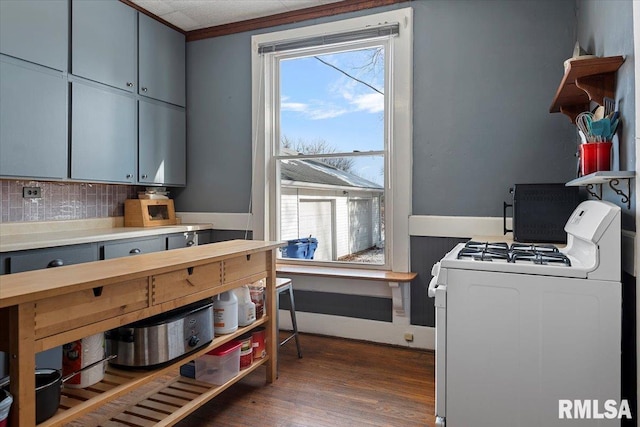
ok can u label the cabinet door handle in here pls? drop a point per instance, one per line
(55, 263)
(135, 251)
(129, 176)
(144, 176)
(129, 84)
(144, 89)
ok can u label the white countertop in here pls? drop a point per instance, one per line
(25, 235)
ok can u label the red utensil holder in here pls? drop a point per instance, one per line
(594, 157)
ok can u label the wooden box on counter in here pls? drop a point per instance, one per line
(149, 213)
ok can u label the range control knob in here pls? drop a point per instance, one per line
(193, 341)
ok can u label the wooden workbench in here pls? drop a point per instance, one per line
(43, 309)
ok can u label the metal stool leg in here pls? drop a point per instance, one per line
(292, 311)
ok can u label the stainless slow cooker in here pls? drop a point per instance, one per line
(160, 339)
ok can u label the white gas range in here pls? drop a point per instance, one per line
(520, 328)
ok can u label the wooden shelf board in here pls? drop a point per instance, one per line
(163, 402)
(119, 382)
(600, 177)
(345, 273)
(568, 92)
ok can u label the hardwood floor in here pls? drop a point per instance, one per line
(337, 383)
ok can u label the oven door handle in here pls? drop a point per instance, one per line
(433, 284)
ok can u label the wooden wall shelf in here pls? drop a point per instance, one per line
(594, 181)
(585, 80)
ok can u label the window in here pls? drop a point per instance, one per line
(332, 148)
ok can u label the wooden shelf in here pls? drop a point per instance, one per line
(585, 80)
(593, 182)
(120, 382)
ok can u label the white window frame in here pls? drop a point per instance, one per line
(399, 146)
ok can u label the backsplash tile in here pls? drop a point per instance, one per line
(62, 201)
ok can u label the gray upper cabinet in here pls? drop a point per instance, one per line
(161, 61)
(162, 144)
(103, 42)
(103, 134)
(36, 31)
(33, 122)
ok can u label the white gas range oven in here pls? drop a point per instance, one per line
(520, 327)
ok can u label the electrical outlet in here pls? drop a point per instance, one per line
(31, 192)
(408, 336)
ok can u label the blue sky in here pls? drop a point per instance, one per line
(319, 102)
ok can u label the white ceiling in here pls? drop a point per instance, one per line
(195, 14)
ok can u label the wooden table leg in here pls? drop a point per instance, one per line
(22, 365)
(272, 330)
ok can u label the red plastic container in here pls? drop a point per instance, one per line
(595, 156)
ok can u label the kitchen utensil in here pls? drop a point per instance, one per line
(598, 113)
(583, 122)
(48, 387)
(159, 339)
(601, 129)
(609, 105)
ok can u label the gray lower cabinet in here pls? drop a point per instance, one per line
(52, 257)
(123, 248)
(36, 31)
(49, 258)
(104, 42)
(33, 122)
(188, 239)
(103, 134)
(161, 61)
(162, 144)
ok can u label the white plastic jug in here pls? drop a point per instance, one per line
(246, 307)
(225, 313)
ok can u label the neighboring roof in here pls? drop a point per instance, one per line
(313, 171)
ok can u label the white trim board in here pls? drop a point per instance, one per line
(220, 221)
(360, 329)
(456, 226)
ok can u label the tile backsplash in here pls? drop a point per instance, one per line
(62, 200)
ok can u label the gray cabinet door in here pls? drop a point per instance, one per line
(182, 240)
(103, 42)
(162, 144)
(161, 61)
(47, 258)
(103, 134)
(133, 247)
(36, 31)
(33, 121)
(52, 257)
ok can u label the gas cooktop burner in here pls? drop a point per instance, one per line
(517, 252)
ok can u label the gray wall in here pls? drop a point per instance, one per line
(485, 73)
(605, 28)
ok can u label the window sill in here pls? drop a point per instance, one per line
(345, 273)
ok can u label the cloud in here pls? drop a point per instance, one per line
(350, 98)
(315, 110)
(371, 103)
(294, 106)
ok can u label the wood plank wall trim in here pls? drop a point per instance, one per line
(152, 16)
(331, 9)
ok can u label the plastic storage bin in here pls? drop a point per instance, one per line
(300, 248)
(220, 365)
